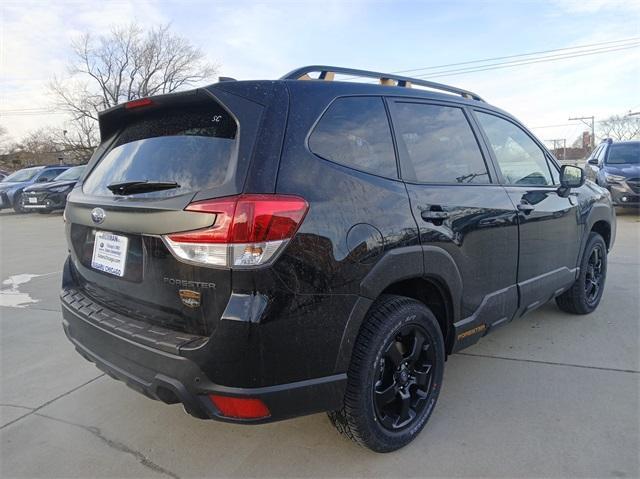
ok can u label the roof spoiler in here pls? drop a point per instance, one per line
(114, 118)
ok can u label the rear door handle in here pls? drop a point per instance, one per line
(526, 208)
(431, 215)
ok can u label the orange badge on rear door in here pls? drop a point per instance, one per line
(190, 298)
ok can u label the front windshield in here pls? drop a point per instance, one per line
(624, 154)
(23, 175)
(70, 174)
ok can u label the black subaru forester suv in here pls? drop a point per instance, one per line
(259, 250)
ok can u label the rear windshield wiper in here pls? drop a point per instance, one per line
(141, 186)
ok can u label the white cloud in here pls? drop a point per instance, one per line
(35, 44)
(595, 6)
(266, 39)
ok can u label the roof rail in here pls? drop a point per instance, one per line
(388, 79)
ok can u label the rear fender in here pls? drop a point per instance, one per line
(398, 265)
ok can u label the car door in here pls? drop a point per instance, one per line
(458, 206)
(548, 222)
(594, 163)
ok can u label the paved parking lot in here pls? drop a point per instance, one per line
(550, 395)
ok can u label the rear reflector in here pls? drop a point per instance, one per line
(243, 408)
(138, 103)
(248, 230)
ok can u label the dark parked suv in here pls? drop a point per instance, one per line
(616, 166)
(50, 196)
(259, 250)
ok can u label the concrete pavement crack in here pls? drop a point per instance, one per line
(16, 406)
(34, 410)
(117, 445)
(550, 363)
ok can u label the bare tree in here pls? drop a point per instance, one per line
(124, 65)
(4, 140)
(620, 128)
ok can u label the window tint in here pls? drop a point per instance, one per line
(50, 174)
(520, 159)
(624, 154)
(193, 147)
(439, 144)
(355, 132)
(596, 152)
(23, 175)
(70, 174)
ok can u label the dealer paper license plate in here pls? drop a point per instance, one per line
(109, 253)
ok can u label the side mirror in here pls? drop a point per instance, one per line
(593, 161)
(42, 179)
(570, 177)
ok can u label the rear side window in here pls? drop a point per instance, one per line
(193, 147)
(355, 132)
(439, 144)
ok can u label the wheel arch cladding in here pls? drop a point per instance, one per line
(425, 273)
(603, 228)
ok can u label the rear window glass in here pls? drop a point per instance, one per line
(193, 148)
(439, 144)
(355, 132)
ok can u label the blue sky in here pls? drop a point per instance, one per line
(266, 39)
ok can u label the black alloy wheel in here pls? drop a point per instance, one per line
(594, 274)
(585, 294)
(395, 375)
(403, 378)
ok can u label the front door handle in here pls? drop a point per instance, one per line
(526, 208)
(434, 215)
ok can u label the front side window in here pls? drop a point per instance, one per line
(520, 159)
(439, 144)
(49, 175)
(596, 152)
(355, 132)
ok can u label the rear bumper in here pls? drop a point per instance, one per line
(127, 355)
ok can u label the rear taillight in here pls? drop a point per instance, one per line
(249, 230)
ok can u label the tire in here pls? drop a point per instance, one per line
(581, 298)
(374, 413)
(18, 204)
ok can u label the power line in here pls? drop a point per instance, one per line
(551, 126)
(497, 66)
(518, 55)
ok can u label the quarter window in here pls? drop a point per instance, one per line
(355, 132)
(520, 159)
(439, 144)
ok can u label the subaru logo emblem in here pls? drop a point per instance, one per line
(97, 215)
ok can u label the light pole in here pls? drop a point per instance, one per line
(556, 146)
(592, 124)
